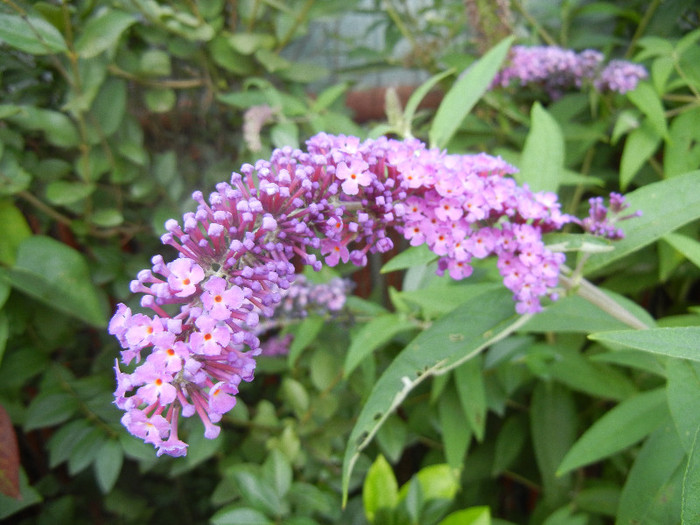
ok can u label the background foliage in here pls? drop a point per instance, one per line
(113, 112)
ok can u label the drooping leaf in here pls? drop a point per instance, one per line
(108, 464)
(465, 93)
(450, 341)
(469, 379)
(649, 103)
(658, 217)
(621, 427)
(58, 276)
(542, 161)
(50, 409)
(681, 342)
(456, 432)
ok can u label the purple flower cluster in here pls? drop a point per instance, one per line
(337, 201)
(556, 70)
(602, 220)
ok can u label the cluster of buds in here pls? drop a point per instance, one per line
(557, 70)
(335, 202)
(602, 220)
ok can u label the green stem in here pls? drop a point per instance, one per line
(642, 26)
(534, 23)
(596, 296)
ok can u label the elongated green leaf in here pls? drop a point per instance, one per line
(50, 409)
(679, 342)
(103, 32)
(542, 161)
(380, 489)
(235, 515)
(465, 93)
(31, 34)
(619, 428)
(58, 128)
(553, 425)
(373, 335)
(448, 342)
(58, 276)
(471, 516)
(257, 492)
(414, 256)
(573, 314)
(690, 512)
(639, 147)
(14, 230)
(469, 379)
(108, 464)
(649, 103)
(456, 433)
(304, 334)
(687, 246)
(652, 492)
(658, 218)
(420, 93)
(683, 396)
(509, 443)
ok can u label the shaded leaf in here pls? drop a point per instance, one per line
(618, 429)
(14, 230)
(236, 515)
(413, 256)
(690, 512)
(49, 409)
(108, 464)
(683, 396)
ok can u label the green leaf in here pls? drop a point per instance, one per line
(681, 342)
(304, 334)
(257, 493)
(573, 314)
(58, 128)
(108, 465)
(682, 151)
(236, 515)
(639, 147)
(658, 217)
(47, 410)
(438, 481)
(419, 94)
(103, 32)
(413, 256)
(30, 496)
(456, 435)
(542, 161)
(471, 516)
(553, 422)
(109, 106)
(380, 489)
(62, 193)
(31, 34)
(465, 93)
(577, 242)
(510, 441)
(689, 247)
(160, 100)
(14, 230)
(683, 396)
(285, 134)
(107, 218)
(249, 43)
(277, 472)
(690, 512)
(649, 103)
(448, 342)
(652, 491)
(58, 276)
(469, 380)
(618, 429)
(373, 335)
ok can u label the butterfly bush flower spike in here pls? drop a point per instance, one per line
(337, 202)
